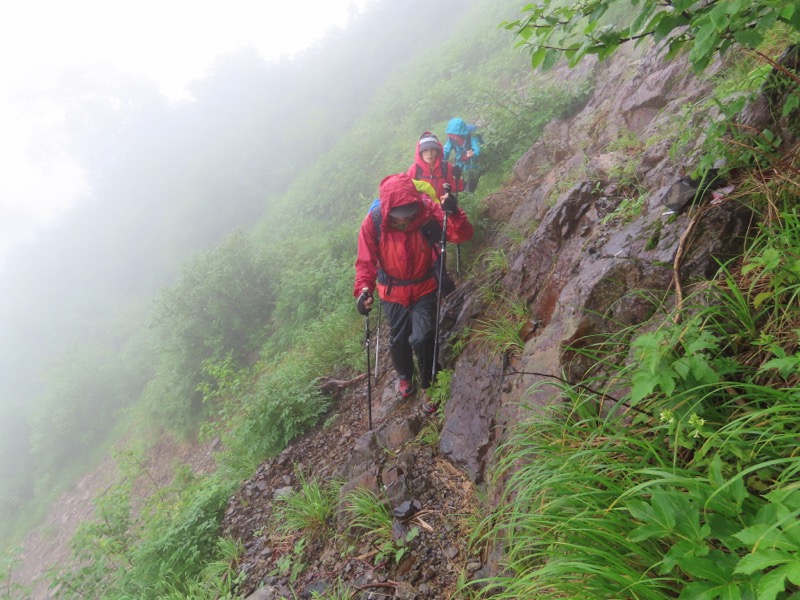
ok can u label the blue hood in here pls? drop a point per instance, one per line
(457, 126)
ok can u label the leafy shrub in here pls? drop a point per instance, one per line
(219, 307)
(282, 404)
(553, 29)
(9, 588)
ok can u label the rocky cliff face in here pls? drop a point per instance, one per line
(588, 244)
(595, 253)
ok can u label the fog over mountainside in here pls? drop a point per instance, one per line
(169, 180)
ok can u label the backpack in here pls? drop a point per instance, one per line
(473, 133)
(432, 232)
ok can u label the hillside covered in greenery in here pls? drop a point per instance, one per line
(220, 236)
(219, 254)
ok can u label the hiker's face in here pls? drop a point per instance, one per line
(458, 140)
(401, 224)
(429, 155)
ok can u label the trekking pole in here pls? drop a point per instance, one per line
(367, 335)
(443, 258)
(378, 341)
(457, 176)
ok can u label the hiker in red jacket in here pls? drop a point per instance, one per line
(394, 250)
(429, 166)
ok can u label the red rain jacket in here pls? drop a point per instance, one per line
(403, 255)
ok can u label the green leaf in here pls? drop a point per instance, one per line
(704, 44)
(730, 592)
(716, 567)
(550, 59)
(682, 551)
(765, 536)
(682, 5)
(790, 14)
(538, 56)
(525, 34)
(647, 531)
(772, 584)
(688, 523)
(666, 381)
(759, 299)
(663, 510)
(784, 366)
(733, 6)
(682, 366)
(724, 529)
(750, 38)
(639, 510)
(762, 559)
(643, 386)
(719, 17)
(658, 517)
(643, 15)
(792, 102)
(699, 590)
(793, 572)
(662, 26)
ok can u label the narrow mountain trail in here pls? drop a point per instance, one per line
(403, 444)
(438, 556)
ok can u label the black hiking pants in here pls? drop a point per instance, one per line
(412, 329)
(471, 178)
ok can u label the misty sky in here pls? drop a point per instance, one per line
(169, 42)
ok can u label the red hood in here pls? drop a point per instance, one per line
(426, 168)
(397, 190)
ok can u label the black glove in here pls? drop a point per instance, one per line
(363, 310)
(449, 203)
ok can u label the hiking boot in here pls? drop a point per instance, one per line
(406, 388)
(429, 405)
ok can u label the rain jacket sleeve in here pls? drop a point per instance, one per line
(459, 228)
(367, 259)
(448, 148)
(476, 147)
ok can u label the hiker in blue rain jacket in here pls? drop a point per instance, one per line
(466, 148)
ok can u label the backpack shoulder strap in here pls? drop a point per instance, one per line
(377, 217)
(417, 172)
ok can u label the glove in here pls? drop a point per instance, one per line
(449, 203)
(360, 303)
